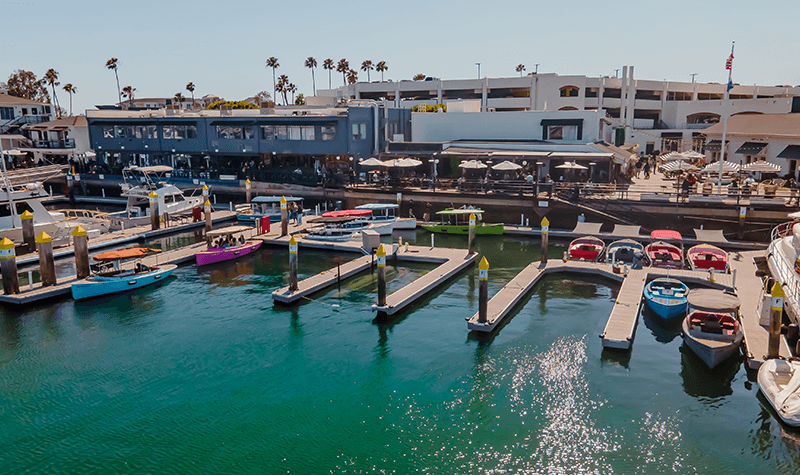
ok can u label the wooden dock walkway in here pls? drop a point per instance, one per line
(322, 280)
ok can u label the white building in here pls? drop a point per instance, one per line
(63, 137)
(17, 112)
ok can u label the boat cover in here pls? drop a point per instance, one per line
(460, 211)
(121, 254)
(666, 234)
(710, 300)
(587, 228)
(347, 213)
(378, 206)
(228, 230)
(274, 199)
(710, 235)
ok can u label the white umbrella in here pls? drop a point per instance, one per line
(676, 156)
(472, 164)
(762, 166)
(678, 165)
(371, 162)
(572, 166)
(691, 154)
(506, 166)
(401, 163)
(727, 167)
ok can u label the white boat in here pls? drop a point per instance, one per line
(387, 212)
(261, 206)
(779, 381)
(782, 259)
(139, 182)
(712, 329)
(333, 229)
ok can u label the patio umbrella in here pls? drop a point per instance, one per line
(727, 167)
(371, 162)
(675, 156)
(762, 166)
(678, 165)
(472, 165)
(401, 163)
(692, 155)
(507, 166)
(571, 166)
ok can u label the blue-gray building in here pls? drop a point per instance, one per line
(293, 144)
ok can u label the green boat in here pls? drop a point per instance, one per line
(456, 221)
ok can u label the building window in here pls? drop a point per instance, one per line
(267, 132)
(152, 132)
(7, 113)
(307, 132)
(139, 131)
(34, 111)
(46, 110)
(229, 132)
(249, 132)
(294, 132)
(168, 132)
(281, 133)
(569, 91)
(679, 96)
(108, 132)
(120, 132)
(592, 91)
(359, 131)
(328, 132)
(562, 132)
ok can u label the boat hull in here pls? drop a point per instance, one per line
(771, 381)
(665, 306)
(404, 224)
(482, 228)
(711, 351)
(97, 286)
(214, 255)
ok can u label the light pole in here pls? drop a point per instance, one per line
(536, 68)
(479, 70)
(693, 75)
(616, 73)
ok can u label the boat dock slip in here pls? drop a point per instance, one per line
(322, 280)
(621, 325)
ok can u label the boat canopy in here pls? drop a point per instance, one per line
(332, 219)
(706, 249)
(227, 231)
(622, 243)
(378, 206)
(121, 254)
(666, 234)
(459, 211)
(274, 199)
(710, 300)
(347, 213)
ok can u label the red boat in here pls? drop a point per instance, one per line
(586, 248)
(348, 213)
(706, 256)
(662, 254)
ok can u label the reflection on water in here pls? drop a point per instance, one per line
(662, 331)
(708, 385)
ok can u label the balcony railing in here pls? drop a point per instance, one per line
(67, 143)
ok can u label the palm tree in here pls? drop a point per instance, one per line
(71, 90)
(300, 101)
(291, 88)
(352, 76)
(419, 77)
(178, 99)
(272, 62)
(51, 76)
(381, 67)
(283, 87)
(112, 64)
(343, 67)
(520, 68)
(328, 64)
(367, 66)
(311, 63)
(190, 88)
(128, 91)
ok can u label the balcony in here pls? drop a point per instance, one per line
(67, 143)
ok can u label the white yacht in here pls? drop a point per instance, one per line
(782, 259)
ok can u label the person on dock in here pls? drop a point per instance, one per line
(293, 212)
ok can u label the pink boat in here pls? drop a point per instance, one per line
(225, 244)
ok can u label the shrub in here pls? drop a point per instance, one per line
(233, 104)
(430, 108)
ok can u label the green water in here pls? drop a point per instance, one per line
(204, 375)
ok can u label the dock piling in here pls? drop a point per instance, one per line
(733, 278)
(284, 217)
(545, 238)
(776, 315)
(154, 224)
(292, 264)
(381, 255)
(742, 216)
(30, 279)
(8, 267)
(28, 236)
(471, 234)
(207, 211)
(80, 242)
(47, 267)
(247, 186)
(433, 242)
(483, 289)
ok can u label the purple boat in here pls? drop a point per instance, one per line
(227, 243)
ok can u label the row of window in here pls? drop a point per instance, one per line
(149, 131)
(232, 132)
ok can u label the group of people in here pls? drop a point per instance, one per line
(228, 241)
(645, 165)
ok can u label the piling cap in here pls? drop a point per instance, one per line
(7, 244)
(484, 264)
(43, 238)
(79, 231)
(207, 204)
(545, 221)
(247, 182)
(380, 252)
(26, 215)
(283, 200)
(205, 187)
(777, 290)
(292, 241)
(153, 194)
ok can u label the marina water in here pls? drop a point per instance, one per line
(203, 374)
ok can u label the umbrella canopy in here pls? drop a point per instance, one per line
(727, 167)
(572, 166)
(675, 156)
(472, 165)
(762, 166)
(371, 162)
(692, 155)
(506, 166)
(678, 165)
(401, 163)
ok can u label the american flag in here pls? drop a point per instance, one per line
(729, 62)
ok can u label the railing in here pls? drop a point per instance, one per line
(782, 230)
(67, 143)
(787, 276)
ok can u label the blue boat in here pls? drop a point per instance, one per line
(666, 297)
(120, 281)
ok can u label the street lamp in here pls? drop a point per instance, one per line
(536, 68)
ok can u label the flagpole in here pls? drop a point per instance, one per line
(726, 113)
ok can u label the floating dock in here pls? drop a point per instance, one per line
(322, 280)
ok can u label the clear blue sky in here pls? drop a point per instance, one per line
(222, 46)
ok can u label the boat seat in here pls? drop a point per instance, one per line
(783, 367)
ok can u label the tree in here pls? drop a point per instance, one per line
(419, 77)
(263, 97)
(51, 76)
(343, 67)
(328, 64)
(300, 101)
(127, 92)
(190, 88)
(112, 64)
(381, 67)
(272, 62)
(311, 63)
(352, 76)
(283, 87)
(178, 99)
(291, 88)
(69, 88)
(520, 69)
(24, 84)
(367, 66)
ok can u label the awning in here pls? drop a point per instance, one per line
(751, 148)
(714, 145)
(791, 152)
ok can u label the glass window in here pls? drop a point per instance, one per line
(180, 131)
(307, 132)
(191, 132)
(267, 132)
(129, 131)
(7, 113)
(329, 132)
(34, 111)
(359, 131)
(152, 132)
(119, 131)
(5, 210)
(108, 132)
(562, 132)
(249, 132)
(138, 131)
(294, 132)
(281, 133)
(168, 132)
